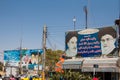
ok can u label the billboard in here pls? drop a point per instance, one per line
(11, 57)
(28, 58)
(92, 42)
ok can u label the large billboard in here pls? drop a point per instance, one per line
(11, 57)
(27, 57)
(92, 42)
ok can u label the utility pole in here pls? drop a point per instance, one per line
(21, 39)
(86, 14)
(21, 56)
(44, 53)
(86, 17)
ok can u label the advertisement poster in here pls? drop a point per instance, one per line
(11, 57)
(27, 57)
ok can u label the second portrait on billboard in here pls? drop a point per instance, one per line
(107, 37)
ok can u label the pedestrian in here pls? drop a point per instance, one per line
(95, 78)
(30, 77)
(0, 77)
(12, 78)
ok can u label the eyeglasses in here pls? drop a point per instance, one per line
(106, 40)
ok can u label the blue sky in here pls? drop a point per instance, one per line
(25, 19)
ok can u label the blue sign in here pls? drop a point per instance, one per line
(88, 44)
(12, 55)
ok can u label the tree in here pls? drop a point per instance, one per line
(52, 57)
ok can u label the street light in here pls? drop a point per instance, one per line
(74, 21)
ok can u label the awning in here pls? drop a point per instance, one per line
(104, 65)
(72, 64)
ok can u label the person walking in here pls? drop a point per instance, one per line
(0, 77)
(95, 78)
(12, 78)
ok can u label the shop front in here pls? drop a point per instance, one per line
(104, 68)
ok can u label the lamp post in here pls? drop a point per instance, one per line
(94, 68)
(86, 16)
(74, 21)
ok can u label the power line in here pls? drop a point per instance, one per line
(52, 40)
(50, 43)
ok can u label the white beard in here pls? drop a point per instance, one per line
(107, 50)
(71, 53)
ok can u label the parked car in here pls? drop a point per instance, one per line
(25, 78)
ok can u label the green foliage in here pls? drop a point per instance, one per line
(72, 75)
(52, 57)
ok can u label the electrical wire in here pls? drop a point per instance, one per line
(50, 43)
(52, 36)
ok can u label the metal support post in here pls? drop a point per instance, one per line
(93, 71)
